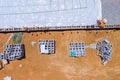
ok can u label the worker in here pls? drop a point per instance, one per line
(102, 22)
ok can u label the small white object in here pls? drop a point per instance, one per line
(104, 20)
(4, 62)
(20, 66)
(33, 43)
(104, 62)
(7, 78)
(106, 40)
(43, 49)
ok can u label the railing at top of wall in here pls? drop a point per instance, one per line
(58, 28)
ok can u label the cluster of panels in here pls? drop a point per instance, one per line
(77, 49)
(12, 52)
(105, 50)
(46, 46)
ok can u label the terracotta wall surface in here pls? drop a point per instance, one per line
(60, 66)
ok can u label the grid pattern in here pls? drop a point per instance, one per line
(77, 49)
(13, 51)
(105, 50)
(46, 46)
